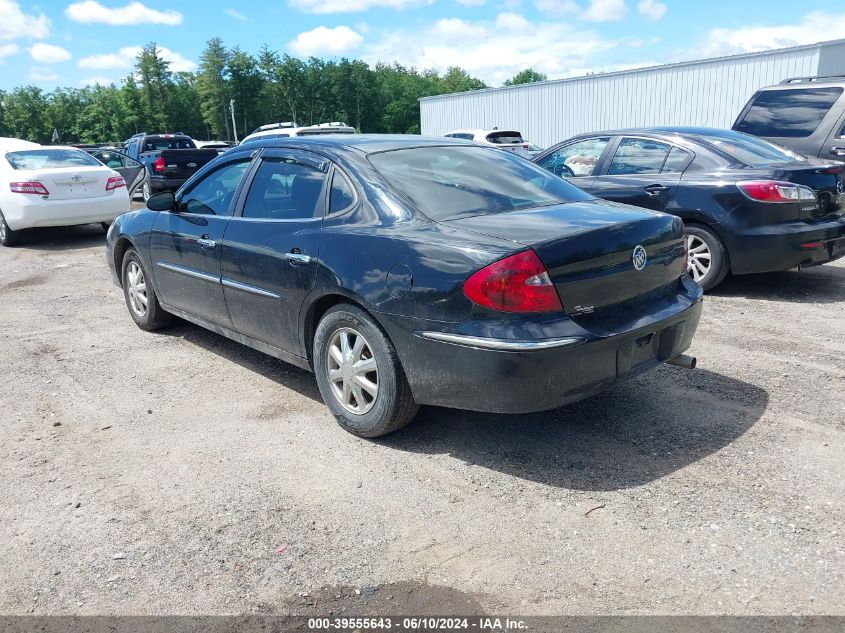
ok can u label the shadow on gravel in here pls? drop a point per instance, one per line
(63, 238)
(405, 597)
(276, 370)
(820, 284)
(640, 431)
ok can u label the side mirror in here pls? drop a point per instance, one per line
(162, 201)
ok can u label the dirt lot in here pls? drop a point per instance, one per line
(181, 473)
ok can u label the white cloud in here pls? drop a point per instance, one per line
(42, 73)
(605, 11)
(92, 12)
(15, 24)
(471, 3)
(351, 6)
(7, 50)
(49, 54)
(126, 58)
(235, 14)
(95, 81)
(493, 50)
(594, 11)
(813, 27)
(651, 9)
(322, 40)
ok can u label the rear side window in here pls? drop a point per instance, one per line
(341, 195)
(750, 150)
(788, 113)
(639, 156)
(285, 189)
(50, 159)
(505, 138)
(676, 161)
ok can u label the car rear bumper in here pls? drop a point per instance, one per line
(158, 183)
(525, 375)
(41, 213)
(784, 246)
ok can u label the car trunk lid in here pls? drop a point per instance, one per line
(589, 249)
(71, 183)
(825, 178)
(183, 163)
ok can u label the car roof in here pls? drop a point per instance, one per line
(364, 143)
(667, 132)
(12, 144)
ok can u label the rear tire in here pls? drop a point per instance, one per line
(359, 374)
(140, 295)
(708, 257)
(8, 237)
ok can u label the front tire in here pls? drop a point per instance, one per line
(708, 258)
(8, 237)
(139, 294)
(359, 374)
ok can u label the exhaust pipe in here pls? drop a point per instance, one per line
(687, 362)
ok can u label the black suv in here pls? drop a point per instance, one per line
(805, 114)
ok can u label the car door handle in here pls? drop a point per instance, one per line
(297, 258)
(655, 190)
(206, 243)
(837, 151)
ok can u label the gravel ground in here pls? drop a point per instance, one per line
(181, 473)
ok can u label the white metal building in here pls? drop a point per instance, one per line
(709, 92)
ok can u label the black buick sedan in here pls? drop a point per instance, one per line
(407, 271)
(749, 206)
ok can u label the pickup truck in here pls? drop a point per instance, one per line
(170, 159)
(804, 114)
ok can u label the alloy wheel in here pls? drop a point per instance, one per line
(353, 372)
(700, 257)
(136, 286)
(146, 194)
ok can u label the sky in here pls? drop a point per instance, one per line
(74, 43)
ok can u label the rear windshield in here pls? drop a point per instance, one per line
(158, 143)
(752, 151)
(450, 182)
(51, 158)
(505, 138)
(788, 113)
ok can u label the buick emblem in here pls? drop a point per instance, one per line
(639, 258)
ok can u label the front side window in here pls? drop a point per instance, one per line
(577, 159)
(51, 159)
(788, 113)
(213, 194)
(285, 189)
(450, 182)
(638, 156)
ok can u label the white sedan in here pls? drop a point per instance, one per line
(54, 186)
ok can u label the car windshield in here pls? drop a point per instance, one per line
(51, 158)
(449, 182)
(751, 151)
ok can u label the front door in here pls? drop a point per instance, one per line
(270, 248)
(185, 244)
(643, 173)
(578, 161)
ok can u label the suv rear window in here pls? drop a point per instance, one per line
(451, 182)
(505, 138)
(788, 113)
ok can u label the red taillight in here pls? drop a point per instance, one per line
(115, 182)
(519, 283)
(159, 164)
(811, 245)
(29, 187)
(774, 191)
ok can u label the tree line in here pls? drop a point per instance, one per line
(266, 88)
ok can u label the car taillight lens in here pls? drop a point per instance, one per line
(159, 164)
(519, 283)
(29, 187)
(115, 182)
(774, 191)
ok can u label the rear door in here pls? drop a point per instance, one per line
(270, 248)
(185, 244)
(132, 171)
(643, 172)
(834, 147)
(577, 161)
